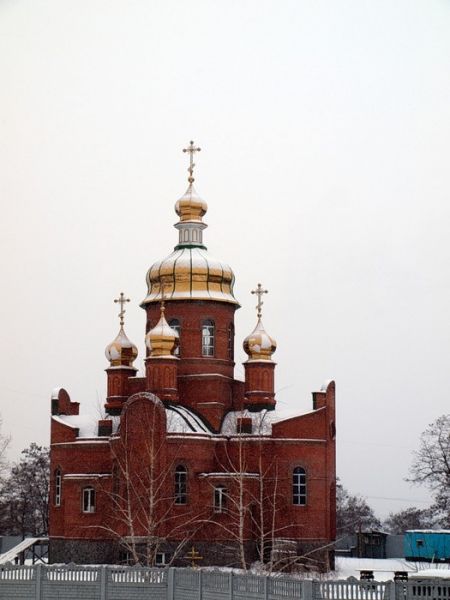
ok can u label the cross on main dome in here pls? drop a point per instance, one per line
(192, 150)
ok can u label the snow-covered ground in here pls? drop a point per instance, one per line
(384, 569)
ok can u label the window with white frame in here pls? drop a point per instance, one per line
(299, 486)
(162, 559)
(180, 485)
(208, 338)
(58, 487)
(88, 500)
(220, 499)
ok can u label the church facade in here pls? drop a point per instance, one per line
(190, 464)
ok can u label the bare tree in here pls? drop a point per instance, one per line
(353, 512)
(5, 440)
(409, 518)
(142, 492)
(431, 462)
(431, 467)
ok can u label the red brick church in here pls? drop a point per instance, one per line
(190, 464)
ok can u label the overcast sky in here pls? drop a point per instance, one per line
(325, 135)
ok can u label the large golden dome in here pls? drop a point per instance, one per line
(190, 273)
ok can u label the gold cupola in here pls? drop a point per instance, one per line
(259, 345)
(162, 341)
(190, 272)
(121, 352)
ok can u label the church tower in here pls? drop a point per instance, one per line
(200, 307)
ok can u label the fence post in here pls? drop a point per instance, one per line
(266, 587)
(38, 573)
(392, 590)
(103, 575)
(200, 585)
(307, 589)
(230, 584)
(171, 583)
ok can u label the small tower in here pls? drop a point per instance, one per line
(162, 364)
(121, 353)
(259, 368)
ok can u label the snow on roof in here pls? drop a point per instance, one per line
(55, 392)
(261, 422)
(229, 474)
(86, 475)
(87, 425)
(428, 531)
(181, 420)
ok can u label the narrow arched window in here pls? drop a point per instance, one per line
(299, 486)
(88, 500)
(220, 499)
(208, 338)
(181, 485)
(231, 341)
(58, 487)
(175, 324)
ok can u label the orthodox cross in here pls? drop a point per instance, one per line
(193, 555)
(192, 150)
(122, 301)
(259, 292)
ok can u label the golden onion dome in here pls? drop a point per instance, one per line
(162, 340)
(121, 352)
(190, 207)
(259, 345)
(190, 273)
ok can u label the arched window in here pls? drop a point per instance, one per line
(231, 341)
(88, 500)
(299, 486)
(220, 499)
(181, 485)
(208, 338)
(58, 487)
(175, 324)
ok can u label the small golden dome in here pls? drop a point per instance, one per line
(259, 345)
(162, 340)
(190, 207)
(121, 352)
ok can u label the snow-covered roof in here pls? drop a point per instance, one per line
(428, 531)
(87, 425)
(261, 422)
(181, 420)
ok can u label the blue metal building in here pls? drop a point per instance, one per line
(427, 545)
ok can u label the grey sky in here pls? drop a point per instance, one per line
(324, 128)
